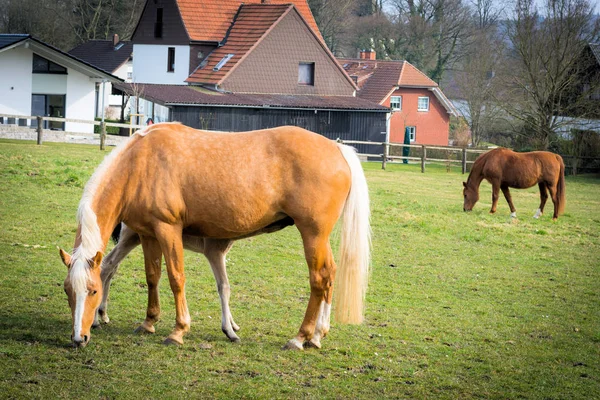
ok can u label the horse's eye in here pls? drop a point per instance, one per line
(93, 292)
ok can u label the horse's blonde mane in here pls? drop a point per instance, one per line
(91, 238)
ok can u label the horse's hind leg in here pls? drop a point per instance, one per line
(543, 199)
(215, 251)
(506, 192)
(152, 263)
(554, 196)
(322, 274)
(128, 241)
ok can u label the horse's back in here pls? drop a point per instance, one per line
(228, 184)
(521, 170)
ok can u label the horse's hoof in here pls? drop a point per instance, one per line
(293, 344)
(173, 341)
(143, 328)
(234, 339)
(313, 343)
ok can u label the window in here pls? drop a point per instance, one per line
(423, 104)
(412, 133)
(158, 25)
(44, 66)
(396, 102)
(171, 60)
(306, 74)
(223, 61)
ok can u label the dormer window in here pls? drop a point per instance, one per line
(158, 25)
(306, 74)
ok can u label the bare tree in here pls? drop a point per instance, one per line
(333, 19)
(546, 61)
(479, 77)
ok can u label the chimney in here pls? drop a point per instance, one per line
(115, 40)
(368, 54)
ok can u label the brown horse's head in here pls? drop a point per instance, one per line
(83, 287)
(471, 196)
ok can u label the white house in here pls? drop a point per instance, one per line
(39, 79)
(114, 56)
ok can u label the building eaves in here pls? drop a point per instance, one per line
(193, 96)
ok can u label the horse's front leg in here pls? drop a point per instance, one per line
(152, 264)
(322, 274)
(171, 244)
(543, 199)
(215, 251)
(506, 192)
(495, 196)
(128, 241)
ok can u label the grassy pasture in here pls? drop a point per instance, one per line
(460, 305)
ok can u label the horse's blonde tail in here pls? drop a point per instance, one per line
(561, 190)
(355, 247)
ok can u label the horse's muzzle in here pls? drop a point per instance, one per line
(80, 343)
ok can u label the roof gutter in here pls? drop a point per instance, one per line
(272, 107)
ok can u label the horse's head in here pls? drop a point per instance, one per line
(83, 287)
(471, 196)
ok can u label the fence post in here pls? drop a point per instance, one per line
(385, 154)
(423, 157)
(574, 164)
(464, 160)
(40, 129)
(102, 134)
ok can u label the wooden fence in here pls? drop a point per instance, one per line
(573, 164)
(386, 156)
(40, 125)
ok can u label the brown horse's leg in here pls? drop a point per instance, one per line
(152, 263)
(322, 274)
(215, 251)
(552, 189)
(543, 199)
(506, 192)
(169, 237)
(495, 195)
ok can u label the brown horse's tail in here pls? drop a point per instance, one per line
(561, 189)
(355, 246)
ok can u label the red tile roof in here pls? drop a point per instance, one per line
(250, 25)
(209, 20)
(191, 95)
(377, 79)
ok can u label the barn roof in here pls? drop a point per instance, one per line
(196, 96)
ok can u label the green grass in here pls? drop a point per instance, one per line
(460, 305)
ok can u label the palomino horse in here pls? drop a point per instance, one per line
(504, 169)
(170, 180)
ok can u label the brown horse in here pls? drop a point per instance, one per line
(170, 180)
(503, 169)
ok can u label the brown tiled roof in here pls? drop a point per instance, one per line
(189, 95)
(103, 54)
(209, 20)
(250, 25)
(376, 79)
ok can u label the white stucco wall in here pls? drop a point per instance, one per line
(80, 101)
(15, 81)
(150, 64)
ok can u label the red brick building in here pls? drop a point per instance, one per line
(416, 101)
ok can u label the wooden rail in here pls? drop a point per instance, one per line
(40, 130)
(386, 157)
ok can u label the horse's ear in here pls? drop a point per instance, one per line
(65, 257)
(97, 261)
(465, 184)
